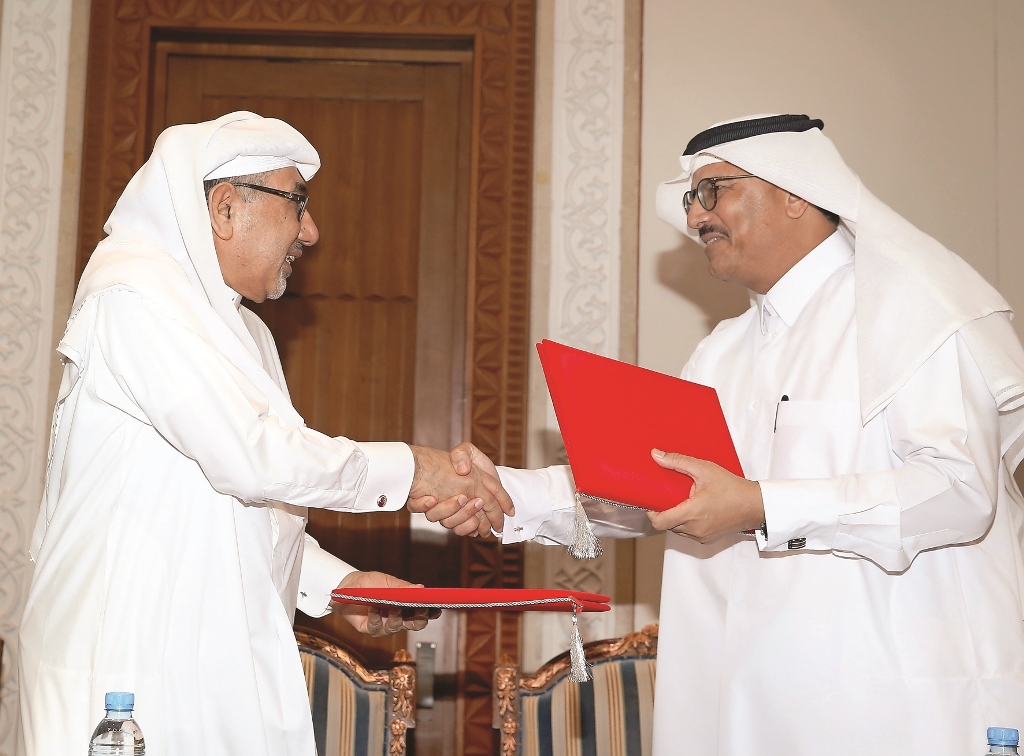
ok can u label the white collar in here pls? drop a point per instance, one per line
(790, 294)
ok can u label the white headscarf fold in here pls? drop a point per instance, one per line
(940, 294)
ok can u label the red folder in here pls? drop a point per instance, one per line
(502, 599)
(611, 414)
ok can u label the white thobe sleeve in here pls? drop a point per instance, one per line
(169, 377)
(943, 430)
(545, 503)
(321, 572)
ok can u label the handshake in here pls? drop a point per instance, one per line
(460, 489)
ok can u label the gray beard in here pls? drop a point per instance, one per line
(282, 283)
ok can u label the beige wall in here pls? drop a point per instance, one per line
(924, 98)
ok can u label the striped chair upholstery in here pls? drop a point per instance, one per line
(549, 715)
(357, 711)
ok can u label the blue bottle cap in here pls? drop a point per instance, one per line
(1003, 736)
(119, 701)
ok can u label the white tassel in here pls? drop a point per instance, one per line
(584, 543)
(579, 668)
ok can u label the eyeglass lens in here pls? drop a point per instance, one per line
(707, 192)
(299, 199)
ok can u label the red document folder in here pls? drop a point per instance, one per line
(611, 414)
(502, 599)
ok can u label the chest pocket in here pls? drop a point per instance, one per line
(815, 439)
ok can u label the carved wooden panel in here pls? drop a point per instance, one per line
(501, 33)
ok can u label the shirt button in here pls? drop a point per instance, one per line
(382, 500)
(754, 405)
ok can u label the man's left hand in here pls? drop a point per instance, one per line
(720, 503)
(381, 620)
(460, 514)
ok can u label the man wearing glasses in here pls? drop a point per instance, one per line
(861, 591)
(170, 548)
(256, 259)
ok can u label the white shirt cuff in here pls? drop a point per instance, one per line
(390, 468)
(800, 514)
(321, 572)
(536, 494)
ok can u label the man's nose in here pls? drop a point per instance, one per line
(696, 215)
(309, 234)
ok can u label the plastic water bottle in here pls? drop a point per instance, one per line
(1002, 740)
(117, 734)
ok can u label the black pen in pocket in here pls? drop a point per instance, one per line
(785, 398)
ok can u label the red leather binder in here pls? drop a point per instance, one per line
(611, 414)
(501, 599)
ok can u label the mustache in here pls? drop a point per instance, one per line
(710, 228)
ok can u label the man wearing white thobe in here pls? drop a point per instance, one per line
(170, 548)
(874, 391)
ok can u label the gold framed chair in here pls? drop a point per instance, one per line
(547, 713)
(357, 711)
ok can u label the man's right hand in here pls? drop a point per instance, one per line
(437, 479)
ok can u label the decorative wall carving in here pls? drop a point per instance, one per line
(586, 195)
(586, 173)
(503, 38)
(33, 89)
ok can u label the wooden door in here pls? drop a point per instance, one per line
(371, 329)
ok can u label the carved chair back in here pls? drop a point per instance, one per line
(546, 714)
(357, 711)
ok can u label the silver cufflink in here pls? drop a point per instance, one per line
(382, 500)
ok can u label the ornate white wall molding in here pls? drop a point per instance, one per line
(586, 174)
(33, 92)
(585, 253)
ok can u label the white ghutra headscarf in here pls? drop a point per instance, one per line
(940, 294)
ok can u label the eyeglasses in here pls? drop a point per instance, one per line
(298, 199)
(707, 192)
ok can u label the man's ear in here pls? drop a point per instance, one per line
(223, 206)
(795, 206)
